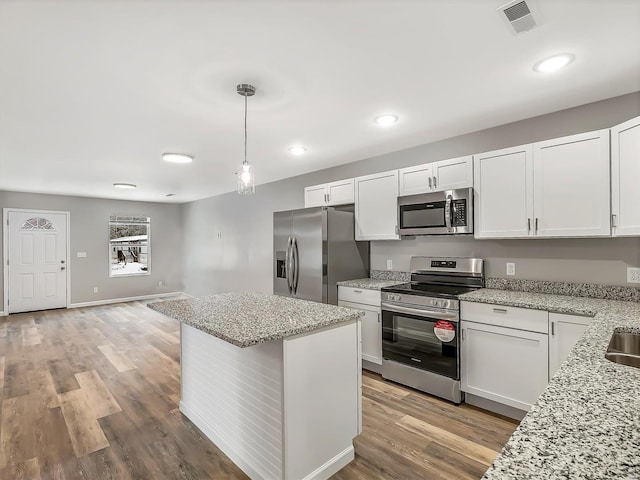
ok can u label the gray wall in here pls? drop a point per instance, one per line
(90, 233)
(241, 259)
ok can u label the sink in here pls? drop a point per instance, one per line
(624, 348)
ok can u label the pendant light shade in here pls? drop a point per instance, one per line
(246, 173)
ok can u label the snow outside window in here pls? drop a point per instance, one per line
(129, 245)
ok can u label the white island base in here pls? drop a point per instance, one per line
(288, 409)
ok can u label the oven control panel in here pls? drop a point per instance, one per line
(421, 301)
(443, 263)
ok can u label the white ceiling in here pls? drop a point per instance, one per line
(92, 92)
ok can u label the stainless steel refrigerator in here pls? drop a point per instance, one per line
(313, 249)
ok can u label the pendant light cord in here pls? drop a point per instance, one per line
(245, 128)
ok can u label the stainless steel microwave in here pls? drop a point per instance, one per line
(449, 212)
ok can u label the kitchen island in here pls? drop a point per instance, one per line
(273, 381)
(585, 425)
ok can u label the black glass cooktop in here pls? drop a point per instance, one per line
(428, 290)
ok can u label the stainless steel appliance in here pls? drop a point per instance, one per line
(421, 324)
(441, 213)
(313, 249)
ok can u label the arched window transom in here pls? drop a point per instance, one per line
(37, 224)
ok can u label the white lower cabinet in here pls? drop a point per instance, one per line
(504, 353)
(564, 332)
(371, 322)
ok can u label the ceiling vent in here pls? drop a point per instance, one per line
(519, 15)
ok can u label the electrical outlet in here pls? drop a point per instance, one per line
(82, 254)
(389, 264)
(511, 268)
(95, 289)
(633, 275)
(160, 284)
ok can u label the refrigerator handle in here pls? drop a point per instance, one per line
(287, 266)
(296, 267)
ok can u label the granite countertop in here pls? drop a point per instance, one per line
(369, 283)
(245, 318)
(586, 424)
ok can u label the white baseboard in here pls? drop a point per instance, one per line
(123, 300)
(333, 466)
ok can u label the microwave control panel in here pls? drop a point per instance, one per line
(460, 218)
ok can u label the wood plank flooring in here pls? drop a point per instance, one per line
(93, 393)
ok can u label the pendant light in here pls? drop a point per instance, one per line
(246, 175)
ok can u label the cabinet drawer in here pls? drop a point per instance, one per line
(359, 295)
(501, 316)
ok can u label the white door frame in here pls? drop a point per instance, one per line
(5, 250)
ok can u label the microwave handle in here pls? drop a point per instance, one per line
(447, 212)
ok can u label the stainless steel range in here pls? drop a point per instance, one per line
(421, 324)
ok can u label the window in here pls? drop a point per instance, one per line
(37, 224)
(129, 245)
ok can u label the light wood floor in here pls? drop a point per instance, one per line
(92, 394)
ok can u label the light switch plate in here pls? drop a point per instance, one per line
(633, 275)
(511, 268)
(389, 264)
(82, 254)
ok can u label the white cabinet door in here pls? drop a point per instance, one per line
(625, 178)
(571, 182)
(416, 180)
(503, 364)
(453, 173)
(503, 198)
(564, 332)
(315, 196)
(376, 206)
(340, 192)
(371, 331)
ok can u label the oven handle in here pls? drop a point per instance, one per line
(453, 317)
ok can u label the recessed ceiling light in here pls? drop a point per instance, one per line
(177, 157)
(297, 150)
(129, 186)
(386, 120)
(555, 63)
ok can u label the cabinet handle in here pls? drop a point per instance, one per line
(378, 318)
(397, 230)
(357, 291)
(435, 182)
(528, 225)
(429, 182)
(536, 225)
(328, 197)
(553, 328)
(614, 220)
(462, 334)
(500, 310)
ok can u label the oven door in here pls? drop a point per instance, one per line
(424, 339)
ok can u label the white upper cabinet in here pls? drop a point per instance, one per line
(340, 192)
(625, 178)
(503, 193)
(437, 176)
(315, 196)
(376, 206)
(555, 188)
(415, 180)
(571, 186)
(453, 173)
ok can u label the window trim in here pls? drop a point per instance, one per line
(148, 245)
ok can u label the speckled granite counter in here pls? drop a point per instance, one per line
(586, 424)
(369, 283)
(244, 319)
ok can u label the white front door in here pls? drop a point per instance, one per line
(37, 260)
